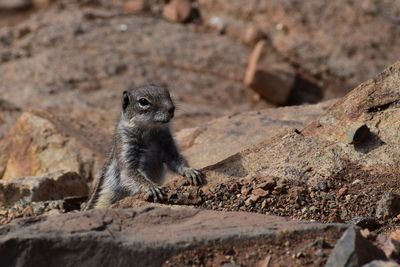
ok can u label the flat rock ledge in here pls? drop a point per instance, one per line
(156, 235)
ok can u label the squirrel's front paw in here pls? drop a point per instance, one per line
(155, 192)
(195, 177)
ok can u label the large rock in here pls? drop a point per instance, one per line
(323, 149)
(353, 250)
(41, 143)
(220, 138)
(52, 186)
(354, 146)
(160, 236)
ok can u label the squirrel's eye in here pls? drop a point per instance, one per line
(144, 102)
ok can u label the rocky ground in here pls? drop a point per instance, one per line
(286, 185)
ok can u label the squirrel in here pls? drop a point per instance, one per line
(142, 144)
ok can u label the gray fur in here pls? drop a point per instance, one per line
(143, 144)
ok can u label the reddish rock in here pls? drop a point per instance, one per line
(136, 6)
(260, 192)
(178, 10)
(268, 183)
(155, 236)
(220, 138)
(41, 143)
(343, 191)
(269, 75)
(53, 186)
(252, 35)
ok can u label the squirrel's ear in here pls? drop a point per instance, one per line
(125, 100)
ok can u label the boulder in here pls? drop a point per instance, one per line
(160, 236)
(321, 149)
(53, 186)
(353, 250)
(41, 143)
(220, 138)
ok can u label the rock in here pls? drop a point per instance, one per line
(218, 24)
(260, 192)
(388, 206)
(153, 236)
(218, 139)
(343, 191)
(353, 249)
(252, 35)
(41, 143)
(178, 10)
(136, 6)
(283, 156)
(52, 186)
(390, 246)
(381, 264)
(269, 75)
(12, 5)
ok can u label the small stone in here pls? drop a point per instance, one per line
(218, 24)
(252, 35)
(388, 206)
(343, 191)
(178, 10)
(260, 192)
(357, 181)
(136, 6)
(381, 264)
(269, 184)
(269, 74)
(264, 204)
(323, 186)
(234, 187)
(251, 200)
(123, 27)
(245, 191)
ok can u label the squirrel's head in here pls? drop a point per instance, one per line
(147, 105)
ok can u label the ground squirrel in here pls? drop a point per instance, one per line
(143, 143)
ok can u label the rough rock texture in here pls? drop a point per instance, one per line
(41, 142)
(162, 237)
(316, 166)
(269, 74)
(49, 187)
(341, 43)
(353, 250)
(321, 150)
(381, 264)
(220, 138)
